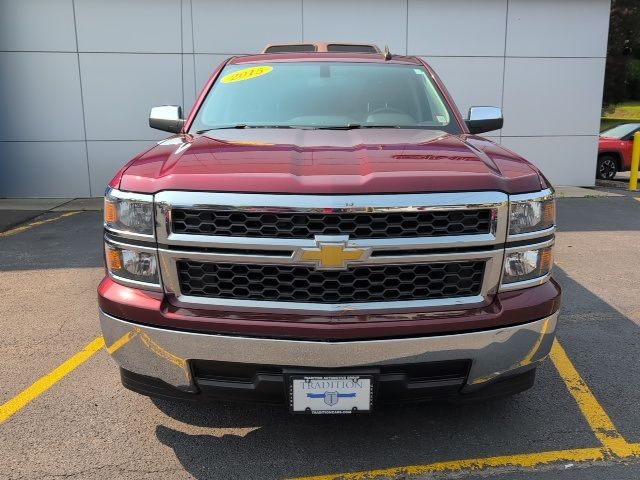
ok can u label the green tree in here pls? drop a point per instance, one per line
(622, 78)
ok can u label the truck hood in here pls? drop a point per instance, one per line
(328, 162)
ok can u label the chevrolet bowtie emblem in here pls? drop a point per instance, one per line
(332, 255)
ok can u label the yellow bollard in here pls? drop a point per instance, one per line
(635, 161)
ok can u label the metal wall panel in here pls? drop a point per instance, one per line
(129, 26)
(552, 28)
(459, 28)
(43, 169)
(120, 89)
(553, 96)
(37, 25)
(40, 96)
(245, 26)
(377, 21)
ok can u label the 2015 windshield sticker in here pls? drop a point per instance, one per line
(246, 74)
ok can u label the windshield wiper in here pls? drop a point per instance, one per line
(349, 126)
(389, 126)
(241, 126)
(355, 126)
(226, 127)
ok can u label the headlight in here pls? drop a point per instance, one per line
(531, 214)
(132, 265)
(129, 213)
(527, 263)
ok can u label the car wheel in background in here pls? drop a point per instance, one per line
(607, 167)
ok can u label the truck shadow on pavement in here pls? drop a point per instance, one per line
(73, 241)
(267, 442)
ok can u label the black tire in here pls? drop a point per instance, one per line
(607, 167)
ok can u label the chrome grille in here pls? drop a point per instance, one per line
(308, 225)
(281, 252)
(371, 283)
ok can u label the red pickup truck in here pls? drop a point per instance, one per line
(326, 232)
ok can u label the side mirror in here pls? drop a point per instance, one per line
(484, 119)
(167, 118)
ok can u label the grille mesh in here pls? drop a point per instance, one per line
(375, 283)
(307, 225)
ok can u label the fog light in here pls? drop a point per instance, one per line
(132, 264)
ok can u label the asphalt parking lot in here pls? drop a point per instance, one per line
(63, 412)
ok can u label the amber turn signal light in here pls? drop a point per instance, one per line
(110, 211)
(546, 262)
(549, 213)
(114, 259)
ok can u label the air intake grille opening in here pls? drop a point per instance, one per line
(374, 283)
(307, 225)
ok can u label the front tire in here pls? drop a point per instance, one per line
(607, 167)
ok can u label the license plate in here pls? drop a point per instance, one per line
(325, 394)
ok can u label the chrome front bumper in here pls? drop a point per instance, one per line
(165, 354)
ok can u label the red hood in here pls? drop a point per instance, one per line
(328, 162)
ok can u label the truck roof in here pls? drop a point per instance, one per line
(322, 57)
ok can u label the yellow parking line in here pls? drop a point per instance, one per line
(602, 426)
(27, 226)
(527, 460)
(46, 382)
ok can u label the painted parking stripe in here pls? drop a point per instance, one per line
(17, 403)
(600, 423)
(527, 460)
(27, 226)
(44, 383)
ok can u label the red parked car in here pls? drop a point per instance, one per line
(614, 150)
(326, 232)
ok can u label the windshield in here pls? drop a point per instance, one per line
(621, 130)
(324, 95)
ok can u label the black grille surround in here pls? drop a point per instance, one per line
(303, 225)
(359, 284)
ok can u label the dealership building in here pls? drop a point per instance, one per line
(80, 76)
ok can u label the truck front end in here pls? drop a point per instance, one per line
(329, 268)
(228, 295)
